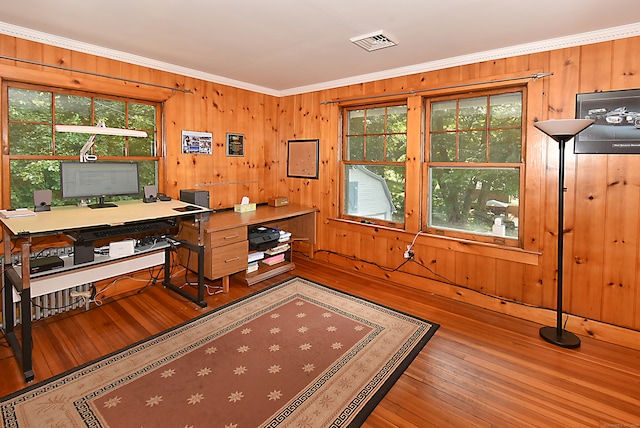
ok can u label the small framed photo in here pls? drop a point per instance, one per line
(235, 144)
(194, 142)
(302, 158)
(616, 127)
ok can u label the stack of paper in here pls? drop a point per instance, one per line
(284, 236)
(20, 212)
(255, 256)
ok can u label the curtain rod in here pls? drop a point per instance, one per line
(420, 91)
(59, 67)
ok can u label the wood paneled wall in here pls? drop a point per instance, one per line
(602, 246)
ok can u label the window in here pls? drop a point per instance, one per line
(35, 149)
(374, 156)
(475, 164)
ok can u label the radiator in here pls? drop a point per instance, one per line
(54, 303)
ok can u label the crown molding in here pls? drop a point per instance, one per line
(592, 37)
(78, 46)
(598, 36)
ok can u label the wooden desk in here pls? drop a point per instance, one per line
(69, 219)
(224, 237)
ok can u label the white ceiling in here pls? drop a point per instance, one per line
(283, 47)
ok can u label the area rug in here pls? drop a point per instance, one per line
(296, 354)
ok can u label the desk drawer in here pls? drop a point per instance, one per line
(227, 236)
(229, 259)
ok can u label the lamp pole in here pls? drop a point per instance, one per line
(561, 131)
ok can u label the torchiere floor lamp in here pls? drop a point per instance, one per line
(561, 130)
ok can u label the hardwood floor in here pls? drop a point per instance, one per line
(480, 369)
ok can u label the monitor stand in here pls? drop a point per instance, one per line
(102, 204)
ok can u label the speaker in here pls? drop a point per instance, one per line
(150, 193)
(196, 197)
(41, 200)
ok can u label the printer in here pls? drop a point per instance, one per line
(262, 238)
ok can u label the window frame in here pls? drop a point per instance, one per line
(508, 241)
(344, 161)
(8, 158)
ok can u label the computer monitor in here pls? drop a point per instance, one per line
(85, 180)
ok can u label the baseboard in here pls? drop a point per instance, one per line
(579, 325)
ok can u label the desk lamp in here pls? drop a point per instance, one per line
(561, 130)
(102, 129)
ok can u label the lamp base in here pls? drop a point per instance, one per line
(566, 339)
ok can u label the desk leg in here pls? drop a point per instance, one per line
(225, 284)
(199, 299)
(23, 285)
(25, 312)
(7, 297)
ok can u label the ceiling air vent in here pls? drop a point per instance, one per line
(373, 41)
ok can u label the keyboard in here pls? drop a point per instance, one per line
(132, 229)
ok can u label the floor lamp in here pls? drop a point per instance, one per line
(561, 130)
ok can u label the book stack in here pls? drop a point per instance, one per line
(273, 260)
(275, 255)
(253, 260)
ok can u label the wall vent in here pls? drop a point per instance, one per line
(373, 41)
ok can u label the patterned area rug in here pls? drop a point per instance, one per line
(296, 354)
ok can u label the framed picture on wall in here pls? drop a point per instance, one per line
(235, 144)
(194, 142)
(302, 158)
(617, 122)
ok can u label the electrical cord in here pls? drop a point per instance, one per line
(437, 277)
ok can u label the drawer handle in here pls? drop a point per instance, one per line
(232, 260)
(231, 236)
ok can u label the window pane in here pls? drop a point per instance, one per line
(443, 116)
(443, 147)
(69, 143)
(142, 117)
(375, 148)
(506, 110)
(28, 139)
(355, 149)
(473, 113)
(142, 146)
(30, 175)
(375, 192)
(110, 145)
(356, 122)
(397, 119)
(473, 146)
(397, 148)
(506, 146)
(148, 171)
(29, 106)
(470, 199)
(73, 110)
(113, 113)
(375, 120)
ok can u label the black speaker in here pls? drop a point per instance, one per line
(150, 193)
(41, 200)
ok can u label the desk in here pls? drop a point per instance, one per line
(68, 220)
(224, 237)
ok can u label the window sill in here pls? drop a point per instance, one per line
(444, 242)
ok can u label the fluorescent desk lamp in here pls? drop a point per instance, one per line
(561, 130)
(101, 129)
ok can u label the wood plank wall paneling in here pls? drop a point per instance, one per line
(603, 237)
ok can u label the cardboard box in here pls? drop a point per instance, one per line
(278, 202)
(244, 208)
